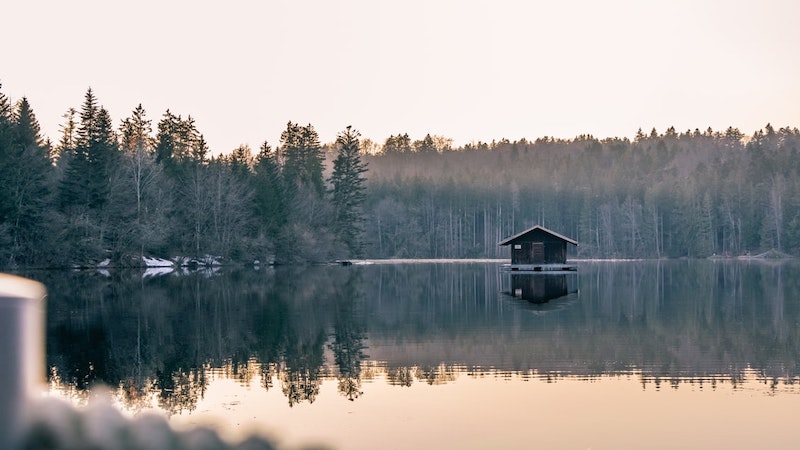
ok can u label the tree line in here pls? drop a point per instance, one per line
(101, 193)
(691, 194)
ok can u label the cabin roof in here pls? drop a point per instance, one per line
(510, 239)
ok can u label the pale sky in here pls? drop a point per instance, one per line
(467, 70)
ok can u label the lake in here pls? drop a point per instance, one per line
(617, 355)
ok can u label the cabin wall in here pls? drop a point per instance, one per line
(544, 250)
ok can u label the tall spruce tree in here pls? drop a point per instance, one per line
(66, 144)
(75, 161)
(6, 161)
(165, 141)
(302, 158)
(92, 169)
(178, 142)
(87, 178)
(25, 174)
(309, 234)
(347, 190)
(103, 158)
(241, 161)
(269, 197)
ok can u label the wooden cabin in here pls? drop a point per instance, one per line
(539, 249)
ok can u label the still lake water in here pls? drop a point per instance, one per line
(618, 355)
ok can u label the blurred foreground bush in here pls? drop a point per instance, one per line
(56, 425)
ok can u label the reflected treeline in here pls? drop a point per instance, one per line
(540, 287)
(688, 319)
(163, 339)
(163, 334)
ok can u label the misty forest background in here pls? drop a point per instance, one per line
(153, 188)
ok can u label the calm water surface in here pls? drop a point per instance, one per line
(619, 355)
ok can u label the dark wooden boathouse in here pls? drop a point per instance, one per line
(539, 249)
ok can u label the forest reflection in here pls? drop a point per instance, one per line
(162, 340)
(538, 287)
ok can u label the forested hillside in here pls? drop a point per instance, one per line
(153, 188)
(110, 197)
(691, 194)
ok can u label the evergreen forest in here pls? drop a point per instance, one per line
(152, 188)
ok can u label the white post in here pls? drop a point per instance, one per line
(22, 361)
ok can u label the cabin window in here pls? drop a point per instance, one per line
(517, 246)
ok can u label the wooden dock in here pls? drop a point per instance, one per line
(539, 267)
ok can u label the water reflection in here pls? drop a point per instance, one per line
(160, 339)
(539, 288)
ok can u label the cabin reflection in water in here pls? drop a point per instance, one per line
(537, 287)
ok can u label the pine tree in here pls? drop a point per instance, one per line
(165, 141)
(426, 145)
(25, 174)
(87, 130)
(347, 190)
(240, 161)
(6, 161)
(269, 196)
(397, 144)
(92, 172)
(103, 155)
(302, 158)
(179, 142)
(199, 146)
(86, 179)
(182, 152)
(73, 192)
(135, 133)
(5, 108)
(143, 178)
(67, 143)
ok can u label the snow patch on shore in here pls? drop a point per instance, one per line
(157, 262)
